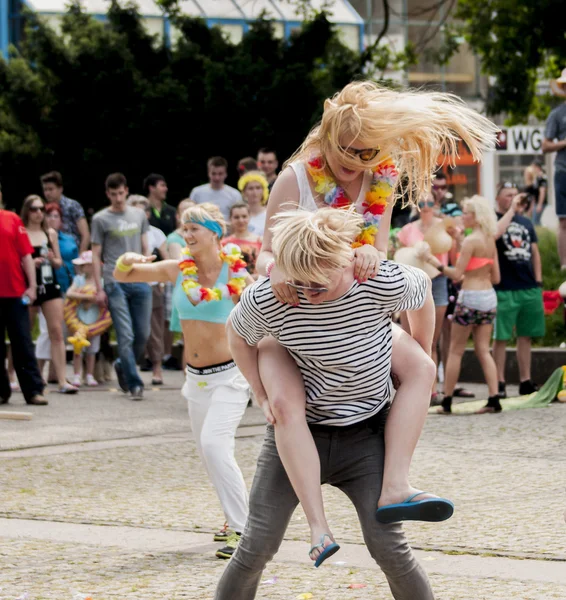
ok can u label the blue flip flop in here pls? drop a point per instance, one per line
(326, 552)
(429, 509)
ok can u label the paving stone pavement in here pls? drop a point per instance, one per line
(101, 459)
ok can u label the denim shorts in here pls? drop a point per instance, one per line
(440, 290)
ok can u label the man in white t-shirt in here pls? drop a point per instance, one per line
(216, 191)
(340, 337)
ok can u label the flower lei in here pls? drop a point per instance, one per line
(230, 254)
(383, 182)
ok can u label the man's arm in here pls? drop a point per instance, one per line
(550, 146)
(422, 321)
(506, 219)
(29, 269)
(82, 226)
(101, 298)
(246, 357)
(537, 264)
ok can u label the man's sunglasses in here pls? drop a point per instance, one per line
(428, 204)
(364, 154)
(36, 208)
(439, 187)
(306, 288)
(506, 185)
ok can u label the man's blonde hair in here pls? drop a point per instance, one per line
(204, 212)
(307, 246)
(412, 127)
(483, 213)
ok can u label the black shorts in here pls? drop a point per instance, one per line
(46, 293)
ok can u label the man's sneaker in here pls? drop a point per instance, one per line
(222, 535)
(137, 393)
(231, 545)
(120, 376)
(527, 387)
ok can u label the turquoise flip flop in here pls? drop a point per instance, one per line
(429, 509)
(326, 552)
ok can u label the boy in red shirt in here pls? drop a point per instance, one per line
(17, 290)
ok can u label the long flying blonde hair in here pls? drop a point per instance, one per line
(412, 127)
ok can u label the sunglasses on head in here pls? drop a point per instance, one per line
(507, 185)
(364, 154)
(427, 203)
(36, 208)
(306, 288)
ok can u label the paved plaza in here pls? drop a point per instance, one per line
(106, 498)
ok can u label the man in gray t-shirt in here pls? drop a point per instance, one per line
(216, 191)
(555, 141)
(116, 230)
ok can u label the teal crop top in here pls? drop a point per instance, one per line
(211, 312)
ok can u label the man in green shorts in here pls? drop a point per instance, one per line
(519, 295)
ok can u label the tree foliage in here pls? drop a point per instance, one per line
(519, 42)
(100, 97)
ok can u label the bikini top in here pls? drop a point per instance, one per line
(477, 262)
(216, 311)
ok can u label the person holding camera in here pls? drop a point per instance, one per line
(520, 308)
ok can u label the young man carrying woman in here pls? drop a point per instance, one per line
(368, 137)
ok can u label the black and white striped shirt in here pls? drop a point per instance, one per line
(343, 346)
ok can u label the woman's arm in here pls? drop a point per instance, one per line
(459, 268)
(284, 196)
(382, 238)
(56, 259)
(143, 271)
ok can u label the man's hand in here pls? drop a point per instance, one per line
(31, 293)
(101, 299)
(38, 261)
(265, 407)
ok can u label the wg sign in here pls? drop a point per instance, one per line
(520, 140)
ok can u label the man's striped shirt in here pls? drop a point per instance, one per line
(343, 346)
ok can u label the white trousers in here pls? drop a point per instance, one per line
(217, 402)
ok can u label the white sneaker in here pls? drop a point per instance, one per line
(76, 380)
(91, 381)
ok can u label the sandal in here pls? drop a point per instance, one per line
(327, 551)
(430, 509)
(67, 389)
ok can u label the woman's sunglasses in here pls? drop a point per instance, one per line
(306, 288)
(36, 208)
(428, 204)
(364, 154)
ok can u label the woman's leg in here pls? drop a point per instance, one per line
(482, 340)
(53, 312)
(458, 339)
(416, 373)
(283, 383)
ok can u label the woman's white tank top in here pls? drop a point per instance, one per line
(306, 199)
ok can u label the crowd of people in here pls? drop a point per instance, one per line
(75, 262)
(275, 291)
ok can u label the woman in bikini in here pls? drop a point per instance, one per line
(368, 135)
(410, 235)
(476, 306)
(208, 282)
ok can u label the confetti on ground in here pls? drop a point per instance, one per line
(306, 596)
(357, 586)
(270, 581)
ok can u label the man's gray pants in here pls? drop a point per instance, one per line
(352, 460)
